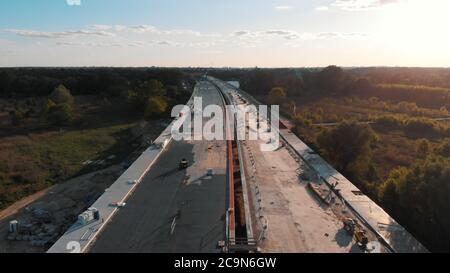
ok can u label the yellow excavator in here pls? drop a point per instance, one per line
(354, 229)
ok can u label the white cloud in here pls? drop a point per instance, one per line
(118, 43)
(120, 27)
(164, 43)
(283, 7)
(90, 44)
(109, 31)
(100, 27)
(73, 2)
(363, 4)
(54, 35)
(291, 35)
(98, 35)
(241, 33)
(287, 34)
(201, 44)
(141, 28)
(145, 36)
(322, 8)
(136, 44)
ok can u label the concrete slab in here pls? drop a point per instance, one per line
(398, 239)
(174, 210)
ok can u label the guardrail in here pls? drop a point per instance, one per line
(231, 217)
(258, 200)
(258, 205)
(249, 229)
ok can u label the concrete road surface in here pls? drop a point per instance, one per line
(174, 210)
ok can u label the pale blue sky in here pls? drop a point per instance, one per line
(244, 33)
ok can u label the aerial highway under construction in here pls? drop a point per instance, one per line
(175, 209)
(203, 196)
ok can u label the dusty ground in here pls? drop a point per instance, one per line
(296, 219)
(61, 204)
(64, 202)
(14, 208)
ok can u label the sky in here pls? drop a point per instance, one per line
(225, 33)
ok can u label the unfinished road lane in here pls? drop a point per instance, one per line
(173, 210)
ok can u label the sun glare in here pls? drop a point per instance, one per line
(418, 27)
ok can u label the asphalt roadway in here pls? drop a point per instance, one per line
(164, 215)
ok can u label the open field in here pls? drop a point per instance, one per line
(393, 148)
(35, 156)
(31, 163)
(62, 171)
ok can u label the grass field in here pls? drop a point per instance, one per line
(420, 88)
(33, 162)
(335, 110)
(35, 156)
(393, 149)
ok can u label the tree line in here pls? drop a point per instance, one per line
(28, 82)
(148, 91)
(425, 87)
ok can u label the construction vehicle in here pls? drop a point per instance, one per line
(355, 230)
(361, 238)
(184, 164)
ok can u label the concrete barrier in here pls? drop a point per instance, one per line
(80, 236)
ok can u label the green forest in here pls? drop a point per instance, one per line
(54, 121)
